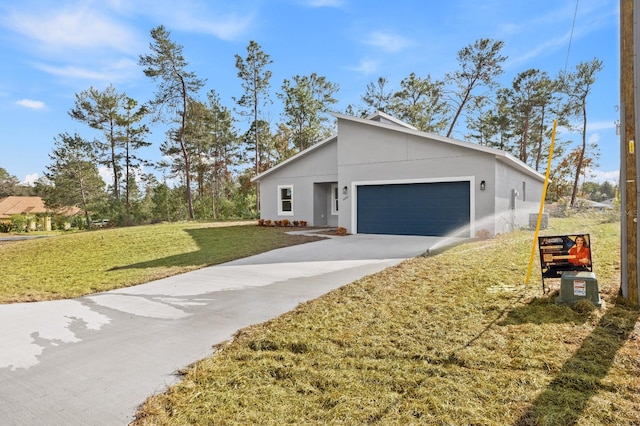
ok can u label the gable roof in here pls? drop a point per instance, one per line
(303, 153)
(382, 120)
(501, 156)
(13, 205)
(21, 205)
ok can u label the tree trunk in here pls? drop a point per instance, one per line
(185, 153)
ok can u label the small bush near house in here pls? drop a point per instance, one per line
(18, 223)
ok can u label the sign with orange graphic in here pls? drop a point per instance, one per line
(561, 253)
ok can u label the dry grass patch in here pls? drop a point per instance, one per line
(428, 342)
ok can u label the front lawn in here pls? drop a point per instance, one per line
(451, 339)
(76, 264)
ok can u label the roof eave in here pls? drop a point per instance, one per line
(500, 155)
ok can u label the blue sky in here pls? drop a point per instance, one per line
(52, 50)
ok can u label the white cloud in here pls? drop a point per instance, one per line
(30, 179)
(118, 71)
(366, 67)
(526, 55)
(227, 28)
(388, 42)
(601, 176)
(65, 30)
(31, 104)
(198, 16)
(592, 126)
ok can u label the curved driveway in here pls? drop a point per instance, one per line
(93, 360)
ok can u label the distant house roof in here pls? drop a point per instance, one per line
(13, 205)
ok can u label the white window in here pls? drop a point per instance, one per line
(285, 200)
(335, 196)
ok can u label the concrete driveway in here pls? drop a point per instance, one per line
(95, 359)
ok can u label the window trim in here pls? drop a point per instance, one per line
(281, 211)
(335, 199)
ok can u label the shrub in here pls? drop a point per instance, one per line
(341, 231)
(286, 222)
(277, 223)
(267, 222)
(260, 222)
(296, 223)
(303, 223)
(18, 223)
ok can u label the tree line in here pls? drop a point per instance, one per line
(214, 161)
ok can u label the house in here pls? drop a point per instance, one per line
(379, 175)
(30, 207)
(14, 205)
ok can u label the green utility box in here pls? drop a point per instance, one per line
(576, 286)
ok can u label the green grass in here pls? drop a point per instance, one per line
(75, 264)
(451, 339)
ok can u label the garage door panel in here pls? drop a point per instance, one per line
(413, 209)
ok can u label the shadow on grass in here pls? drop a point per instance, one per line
(544, 310)
(220, 245)
(566, 397)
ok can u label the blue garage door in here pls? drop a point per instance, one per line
(413, 209)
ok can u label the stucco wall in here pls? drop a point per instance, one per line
(512, 212)
(319, 166)
(368, 153)
(376, 154)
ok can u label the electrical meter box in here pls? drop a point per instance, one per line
(579, 285)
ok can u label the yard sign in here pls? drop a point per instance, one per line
(561, 253)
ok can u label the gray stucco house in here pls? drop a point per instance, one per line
(378, 175)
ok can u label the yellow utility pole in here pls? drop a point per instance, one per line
(629, 184)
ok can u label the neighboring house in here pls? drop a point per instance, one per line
(381, 176)
(30, 207)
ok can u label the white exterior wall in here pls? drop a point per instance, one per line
(513, 212)
(320, 166)
(373, 154)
